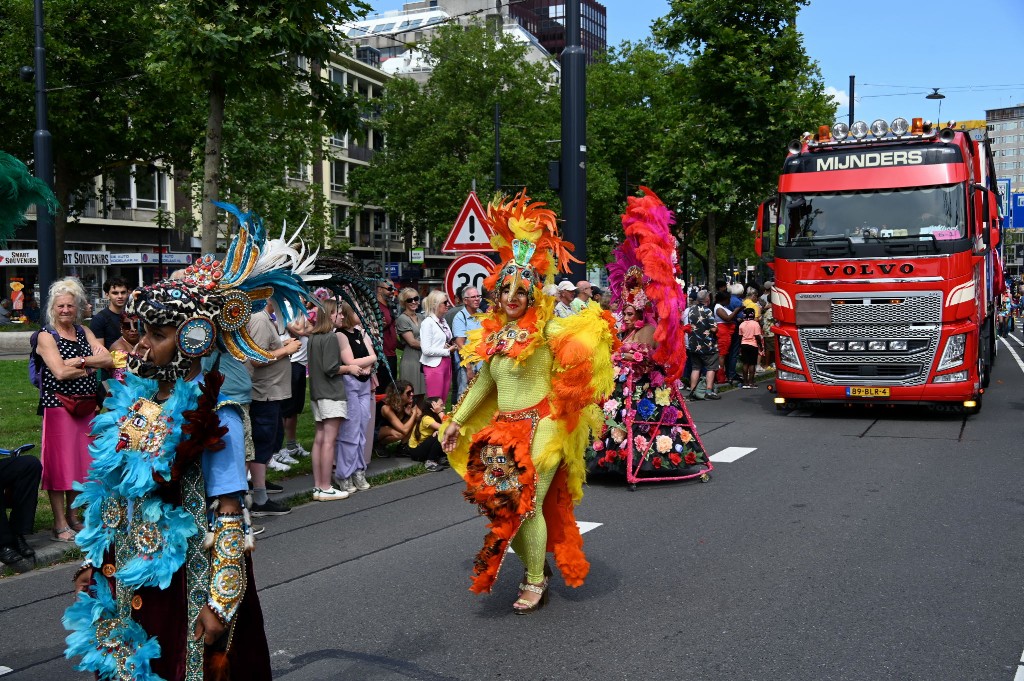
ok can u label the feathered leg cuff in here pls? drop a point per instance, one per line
(227, 566)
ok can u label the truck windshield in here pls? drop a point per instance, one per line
(922, 213)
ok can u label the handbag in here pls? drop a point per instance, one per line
(78, 405)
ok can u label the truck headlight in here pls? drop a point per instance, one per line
(958, 377)
(784, 375)
(787, 352)
(954, 351)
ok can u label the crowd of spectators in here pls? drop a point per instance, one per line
(732, 342)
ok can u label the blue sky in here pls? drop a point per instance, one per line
(898, 51)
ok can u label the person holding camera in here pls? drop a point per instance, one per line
(436, 345)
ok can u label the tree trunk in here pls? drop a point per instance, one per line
(183, 206)
(712, 256)
(211, 164)
(703, 262)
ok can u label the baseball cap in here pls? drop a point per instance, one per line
(567, 286)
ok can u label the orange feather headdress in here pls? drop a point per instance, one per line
(525, 235)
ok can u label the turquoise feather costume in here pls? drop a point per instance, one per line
(160, 549)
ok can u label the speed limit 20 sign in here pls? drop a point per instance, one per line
(467, 270)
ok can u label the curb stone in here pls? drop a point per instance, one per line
(49, 552)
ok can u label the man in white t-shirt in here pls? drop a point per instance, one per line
(566, 294)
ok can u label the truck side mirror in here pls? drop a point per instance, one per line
(764, 230)
(986, 219)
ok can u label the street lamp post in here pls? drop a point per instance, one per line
(574, 138)
(42, 144)
(935, 94)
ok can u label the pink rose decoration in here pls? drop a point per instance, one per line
(663, 443)
(641, 443)
(598, 445)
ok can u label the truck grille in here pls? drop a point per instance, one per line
(911, 317)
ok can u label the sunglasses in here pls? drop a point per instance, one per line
(414, 299)
(386, 288)
(407, 392)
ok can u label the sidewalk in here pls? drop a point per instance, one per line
(15, 344)
(49, 552)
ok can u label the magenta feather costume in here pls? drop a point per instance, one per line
(649, 434)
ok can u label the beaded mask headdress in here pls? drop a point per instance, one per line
(215, 299)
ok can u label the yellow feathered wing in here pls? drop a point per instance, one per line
(582, 346)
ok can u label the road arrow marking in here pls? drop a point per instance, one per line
(730, 454)
(584, 528)
(5, 670)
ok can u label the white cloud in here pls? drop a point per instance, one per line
(840, 96)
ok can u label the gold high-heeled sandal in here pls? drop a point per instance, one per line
(525, 606)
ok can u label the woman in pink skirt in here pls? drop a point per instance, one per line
(436, 345)
(71, 356)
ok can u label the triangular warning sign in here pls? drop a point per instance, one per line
(471, 232)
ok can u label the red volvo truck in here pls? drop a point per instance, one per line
(882, 240)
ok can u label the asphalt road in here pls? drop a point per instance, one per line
(846, 544)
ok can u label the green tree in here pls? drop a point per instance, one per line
(228, 50)
(267, 138)
(105, 113)
(747, 88)
(629, 103)
(440, 135)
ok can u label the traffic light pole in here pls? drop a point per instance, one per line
(42, 144)
(574, 138)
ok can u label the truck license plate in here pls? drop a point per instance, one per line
(866, 391)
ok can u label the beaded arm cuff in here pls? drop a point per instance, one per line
(227, 566)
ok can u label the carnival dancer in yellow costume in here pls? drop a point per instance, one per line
(518, 435)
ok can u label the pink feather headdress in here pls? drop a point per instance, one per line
(643, 276)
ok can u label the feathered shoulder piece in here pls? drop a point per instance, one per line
(341, 278)
(19, 190)
(643, 275)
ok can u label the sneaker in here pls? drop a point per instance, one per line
(276, 465)
(269, 508)
(329, 494)
(431, 466)
(712, 395)
(297, 451)
(285, 457)
(345, 484)
(258, 529)
(273, 488)
(359, 479)
(692, 397)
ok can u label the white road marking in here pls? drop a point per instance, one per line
(584, 528)
(1016, 357)
(730, 454)
(1017, 340)
(1019, 676)
(5, 670)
